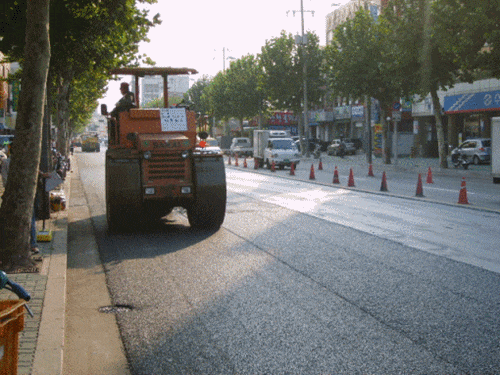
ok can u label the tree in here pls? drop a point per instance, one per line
(217, 96)
(363, 61)
(416, 23)
(17, 205)
(472, 35)
(89, 36)
(245, 97)
(282, 76)
(194, 97)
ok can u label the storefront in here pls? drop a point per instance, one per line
(283, 121)
(470, 114)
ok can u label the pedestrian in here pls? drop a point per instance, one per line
(342, 148)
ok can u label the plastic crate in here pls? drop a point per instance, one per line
(11, 323)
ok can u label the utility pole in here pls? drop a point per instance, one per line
(224, 58)
(303, 43)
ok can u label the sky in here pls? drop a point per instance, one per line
(198, 33)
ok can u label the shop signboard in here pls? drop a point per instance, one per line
(282, 118)
(342, 113)
(472, 102)
(357, 112)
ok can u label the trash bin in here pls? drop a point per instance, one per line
(11, 323)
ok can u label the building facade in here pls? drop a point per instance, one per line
(347, 11)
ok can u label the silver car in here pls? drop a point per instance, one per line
(477, 150)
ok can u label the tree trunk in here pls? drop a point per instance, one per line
(63, 114)
(18, 199)
(443, 152)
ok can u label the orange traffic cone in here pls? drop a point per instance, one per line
(292, 169)
(311, 174)
(383, 186)
(273, 167)
(245, 163)
(370, 171)
(420, 189)
(350, 183)
(429, 176)
(320, 166)
(236, 160)
(229, 160)
(462, 198)
(336, 176)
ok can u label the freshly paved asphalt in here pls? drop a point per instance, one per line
(42, 340)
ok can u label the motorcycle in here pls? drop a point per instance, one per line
(460, 160)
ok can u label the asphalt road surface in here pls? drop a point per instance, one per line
(305, 280)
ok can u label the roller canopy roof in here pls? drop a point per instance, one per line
(153, 71)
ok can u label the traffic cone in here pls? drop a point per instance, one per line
(229, 160)
(383, 186)
(370, 171)
(311, 174)
(336, 176)
(429, 176)
(292, 169)
(273, 167)
(462, 197)
(255, 163)
(245, 163)
(236, 160)
(320, 166)
(420, 189)
(350, 183)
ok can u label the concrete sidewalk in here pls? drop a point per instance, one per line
(41, 342)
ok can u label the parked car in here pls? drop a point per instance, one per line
(334, 148)
(358, 144)
(477, 150)
(241, 147)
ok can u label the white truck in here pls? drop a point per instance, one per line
(274, 146)
(495, 149)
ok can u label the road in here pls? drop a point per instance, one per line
(304, 278)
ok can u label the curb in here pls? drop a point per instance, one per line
(50, 344)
